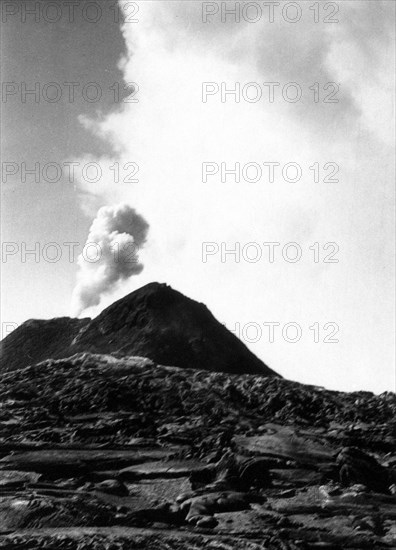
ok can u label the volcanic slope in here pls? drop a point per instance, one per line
(154, 321)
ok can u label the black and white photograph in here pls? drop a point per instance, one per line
(197, 344)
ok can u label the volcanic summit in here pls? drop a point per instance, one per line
(154, 321)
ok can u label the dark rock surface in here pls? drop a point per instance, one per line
(102, 452)
(155, 321)
(36, 340)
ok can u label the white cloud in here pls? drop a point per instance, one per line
(170, 132)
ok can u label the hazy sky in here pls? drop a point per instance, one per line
(332, 110)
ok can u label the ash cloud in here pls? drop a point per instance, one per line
(110, 254)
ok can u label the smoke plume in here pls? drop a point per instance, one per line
(110, 254)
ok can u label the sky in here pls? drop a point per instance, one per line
(186, 98)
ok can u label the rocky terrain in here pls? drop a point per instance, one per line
(114, 451)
